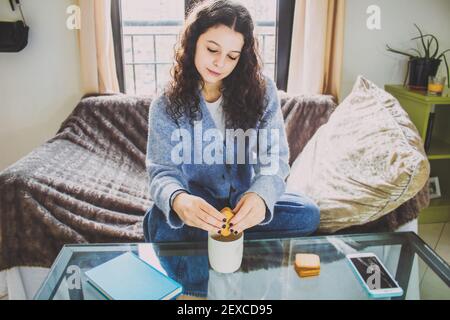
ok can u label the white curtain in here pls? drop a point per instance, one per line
(317, 47)
(98, 67)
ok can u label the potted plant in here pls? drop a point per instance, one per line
(423, 64)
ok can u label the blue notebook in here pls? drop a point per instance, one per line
(127, 277)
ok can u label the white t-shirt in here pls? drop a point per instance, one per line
(216, 111)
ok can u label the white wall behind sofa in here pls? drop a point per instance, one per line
(364, 50)
(40, 85)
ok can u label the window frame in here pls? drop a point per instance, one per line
(284, 24)
(285, 10)
(116, 23)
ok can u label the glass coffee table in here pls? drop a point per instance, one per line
(267, 270)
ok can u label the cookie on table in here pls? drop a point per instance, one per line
(307, 264)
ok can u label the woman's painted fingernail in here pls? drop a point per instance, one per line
(231, 230)
(224, 226)
(231, 224)
(219, 231)
(235, 232)
(224, 220)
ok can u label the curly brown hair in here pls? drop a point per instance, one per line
(243, 90)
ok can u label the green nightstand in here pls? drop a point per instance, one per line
(420, 109)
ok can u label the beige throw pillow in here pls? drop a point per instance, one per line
(365, 162)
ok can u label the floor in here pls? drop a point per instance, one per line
(437, 236)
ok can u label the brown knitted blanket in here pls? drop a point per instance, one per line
(88, 184)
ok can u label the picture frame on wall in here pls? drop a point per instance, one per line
(435, 189)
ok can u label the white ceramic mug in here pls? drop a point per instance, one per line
(225, 254)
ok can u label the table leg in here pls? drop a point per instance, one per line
(405, 264)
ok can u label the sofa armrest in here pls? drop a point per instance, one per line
(303, 115)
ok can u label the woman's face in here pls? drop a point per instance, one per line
(217, 53)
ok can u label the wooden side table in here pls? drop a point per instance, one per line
(423, 110)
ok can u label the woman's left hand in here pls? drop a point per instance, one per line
(249, 211)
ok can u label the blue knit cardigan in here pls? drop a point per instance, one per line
(227, 177)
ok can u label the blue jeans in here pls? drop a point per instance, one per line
(294, 215)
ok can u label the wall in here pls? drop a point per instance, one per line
(40, 85)
(364, 50)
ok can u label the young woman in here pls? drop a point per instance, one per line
(217, 92)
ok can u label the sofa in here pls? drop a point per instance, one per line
(88, 184)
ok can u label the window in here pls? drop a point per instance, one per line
(150, 30)
(264, 14)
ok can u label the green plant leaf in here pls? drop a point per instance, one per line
(448, 72)
(427, 53)
(437, 46)
(443, 53)
(418, 52)
(435, 39)
(429, 44)
(400, 52)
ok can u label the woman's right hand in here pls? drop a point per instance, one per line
(196, 212)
